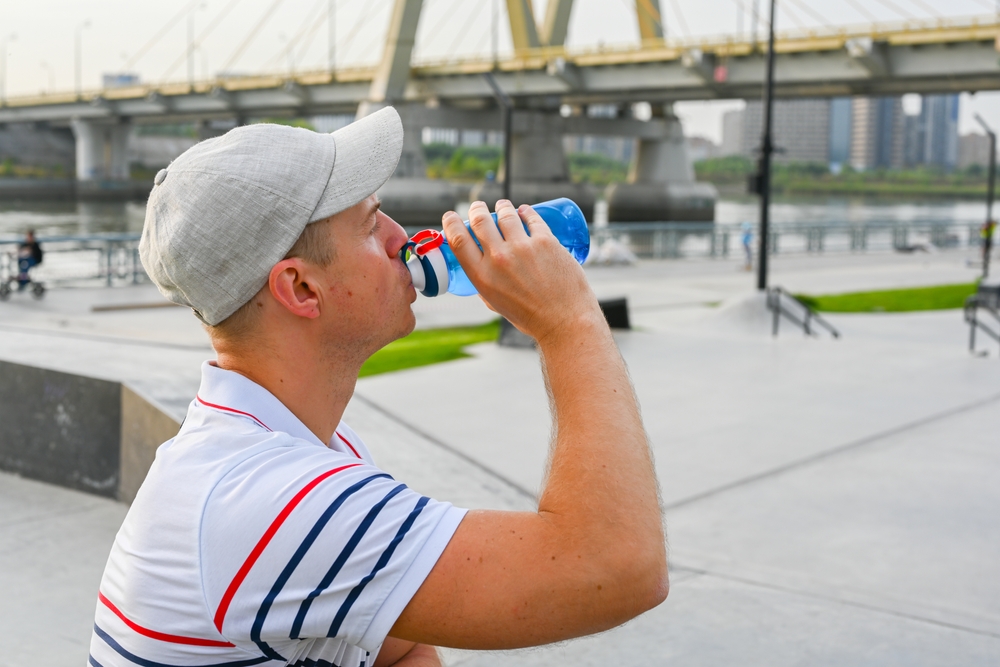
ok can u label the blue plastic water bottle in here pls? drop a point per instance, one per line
(435, 270)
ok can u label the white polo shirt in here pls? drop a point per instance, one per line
(253, 542)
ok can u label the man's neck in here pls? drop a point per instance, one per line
(315, 389)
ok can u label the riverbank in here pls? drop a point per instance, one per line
(730, 175)
(69, 189)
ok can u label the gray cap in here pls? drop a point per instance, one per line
(230, 208)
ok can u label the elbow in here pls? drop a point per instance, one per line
(645, 581)
(654, 584)
(660, 586)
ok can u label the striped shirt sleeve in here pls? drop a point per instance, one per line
(303, 542)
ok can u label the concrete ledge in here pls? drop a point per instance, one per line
(144, 427)
(83, 433)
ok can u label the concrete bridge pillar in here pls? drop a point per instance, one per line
(661, 184)
(409, 196)
(102, 150)
(538, 164)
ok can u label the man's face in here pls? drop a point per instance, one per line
(367, 288)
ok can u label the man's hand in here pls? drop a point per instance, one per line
(530, 280)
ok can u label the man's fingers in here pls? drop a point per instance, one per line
(509, 221)
(460, 240)
(483, 226)
(534, 221)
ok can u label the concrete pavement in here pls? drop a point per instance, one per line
(828, 502)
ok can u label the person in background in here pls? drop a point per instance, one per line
(986, 232)
(29, 255)
(746, 238)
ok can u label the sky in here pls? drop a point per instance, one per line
(150, 38)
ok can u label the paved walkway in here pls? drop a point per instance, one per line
(828, 502)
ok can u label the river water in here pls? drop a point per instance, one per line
(58, 218)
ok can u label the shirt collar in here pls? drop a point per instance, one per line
(236, 394)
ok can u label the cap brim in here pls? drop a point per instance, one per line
(368, 151)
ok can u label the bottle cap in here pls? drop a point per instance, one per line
(426, 263)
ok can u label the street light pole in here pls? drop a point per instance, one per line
(764, 169)
(3, 66)
(991, 178)
(79, 56)
(190, 48)
(507, 106)
(332, 28)
(51, 75)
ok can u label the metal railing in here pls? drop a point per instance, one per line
(782, 304)
(105, 258)
(676, 240)
(113, 258)
(984, 302)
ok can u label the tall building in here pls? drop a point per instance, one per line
(932, 134)
(913, 140)
(939, 116)
(840, 132)
(700, 148)
(877, 133)
(732, 133)
(801, 129)
(973, 150)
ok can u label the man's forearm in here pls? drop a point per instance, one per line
(601, 478)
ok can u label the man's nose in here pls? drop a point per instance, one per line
(397, 237)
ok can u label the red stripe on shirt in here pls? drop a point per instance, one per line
(227, 598)
(347, 442)
(233, 410)
(161, 636)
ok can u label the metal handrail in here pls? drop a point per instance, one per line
(104, 237)
(107, 244)
(973, 305)
(774, 304)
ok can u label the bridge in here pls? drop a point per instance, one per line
(550, 86)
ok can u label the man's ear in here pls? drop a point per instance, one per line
(290, 286)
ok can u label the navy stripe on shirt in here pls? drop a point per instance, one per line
(382, 562)
(296, 558)
(122, 651)
(338, 564)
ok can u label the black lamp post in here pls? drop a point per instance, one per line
(763, 180)
(507, 108)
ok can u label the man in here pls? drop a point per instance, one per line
(29, 255)
(264, 533)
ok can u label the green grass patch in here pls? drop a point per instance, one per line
(939, 297)
(429, 346)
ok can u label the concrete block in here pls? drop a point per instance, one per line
(661, 202)
(144, 427)
(511, 336)
(60, 428)
(79, 432)
(616, 312)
